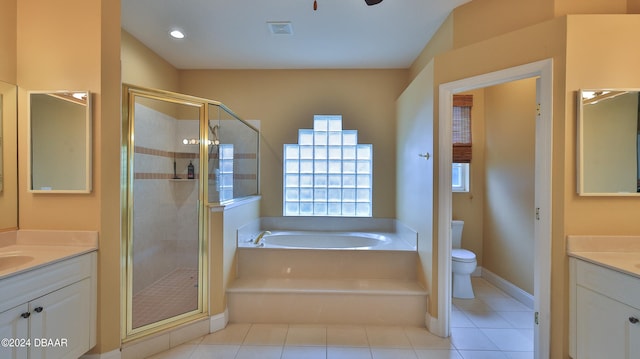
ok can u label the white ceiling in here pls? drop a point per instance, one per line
(233, 34)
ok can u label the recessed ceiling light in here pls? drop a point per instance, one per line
(280, 27)
(177, 34)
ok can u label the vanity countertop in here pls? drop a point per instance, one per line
(620, 253)
(25, 250)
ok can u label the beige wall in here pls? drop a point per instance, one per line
(508, 245)
(9, 153)
(9, 193)
(143, 67)
(476, 21)
(8, 28)
(47, 59)
(414, 174)
(286, 100)
(441, 41)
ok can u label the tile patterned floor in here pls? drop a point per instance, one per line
(174, 294)
(491, 326)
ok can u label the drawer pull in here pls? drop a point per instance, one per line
(633, 320)
(25, 315)
(39, 309)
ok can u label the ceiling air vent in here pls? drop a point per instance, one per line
(280, 27)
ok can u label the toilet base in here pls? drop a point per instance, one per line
(462, 286)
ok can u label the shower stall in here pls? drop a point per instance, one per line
(181, 155)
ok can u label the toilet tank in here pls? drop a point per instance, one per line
(456, 233)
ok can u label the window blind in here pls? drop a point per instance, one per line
(461, 132)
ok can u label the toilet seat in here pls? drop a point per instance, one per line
(462, 255)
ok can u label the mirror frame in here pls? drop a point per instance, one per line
(580, 147)
(88, 144)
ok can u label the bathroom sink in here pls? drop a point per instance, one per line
(13, 260)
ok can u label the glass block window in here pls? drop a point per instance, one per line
(327, 173)
(224, 172)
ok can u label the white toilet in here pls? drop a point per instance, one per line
(463, 263)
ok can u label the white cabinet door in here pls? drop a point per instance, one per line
(14, 333)
(604, 329)
(60, 322)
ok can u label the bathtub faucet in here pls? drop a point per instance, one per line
(259, 237)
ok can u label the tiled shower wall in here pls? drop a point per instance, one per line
(165, 228)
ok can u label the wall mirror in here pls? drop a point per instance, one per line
(60, 142)
(608, 137)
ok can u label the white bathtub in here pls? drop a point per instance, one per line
(325, 240)
(312, 234)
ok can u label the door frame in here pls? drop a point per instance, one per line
(543, 70)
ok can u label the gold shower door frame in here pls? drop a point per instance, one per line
(130, 94)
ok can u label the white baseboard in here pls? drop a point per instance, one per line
(433, 325)
(428, 321)
(219, 321)
(509, 288)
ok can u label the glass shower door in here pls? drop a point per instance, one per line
(165, 246)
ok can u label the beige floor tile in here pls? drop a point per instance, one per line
(393, 353)
(306, 335)
(266, 334)
(179, 352)
(459, 319)
(215, 351)
(259, 352)
(482, 354)
(519, 355)
(471, 339)
(420, 338)
(519, 319)
(348, 353)
(347, 336)
(487, 319)
(506, 304)
(294, 352)
(437, 354)
(387, 337)
(509, 339)
(232, 334)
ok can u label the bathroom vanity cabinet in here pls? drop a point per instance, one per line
(605, 312)
(50, 312)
